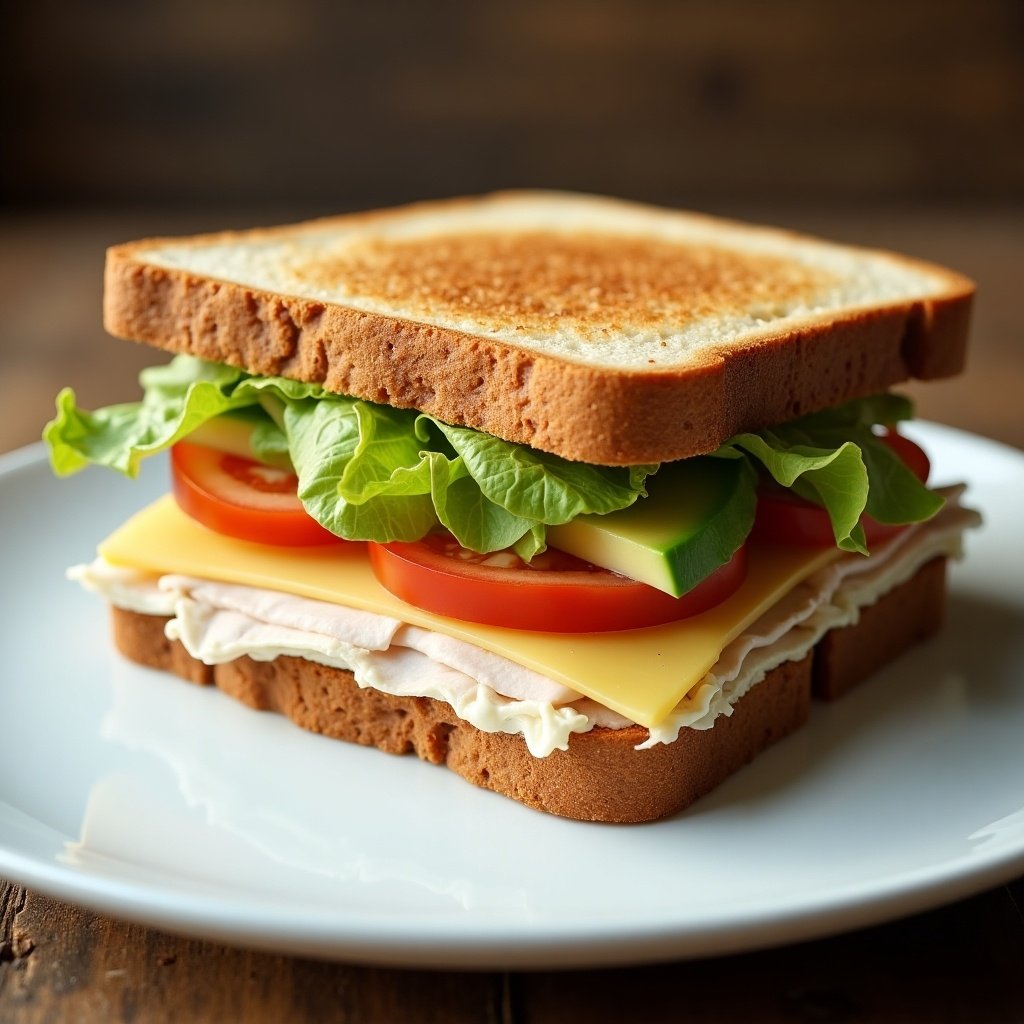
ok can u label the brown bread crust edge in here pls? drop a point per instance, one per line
(581, 412)
(601, 777)
(844, 658)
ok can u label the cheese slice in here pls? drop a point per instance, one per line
(641, 673)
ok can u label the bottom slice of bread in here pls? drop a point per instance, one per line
(601, 777)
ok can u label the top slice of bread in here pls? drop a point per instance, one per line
(603, 331)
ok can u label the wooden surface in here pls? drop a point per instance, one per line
(959, 964)
(191, 100)
(58, 963)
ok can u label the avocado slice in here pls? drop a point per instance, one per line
(697, 513)
(232, 432)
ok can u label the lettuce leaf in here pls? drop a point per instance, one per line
(360, 474)
(366, 472)
(178, 398)
(371, 472)
(836, 460)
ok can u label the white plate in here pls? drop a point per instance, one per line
(137, 795)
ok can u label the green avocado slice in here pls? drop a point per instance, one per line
(234, 433)
(697, 513)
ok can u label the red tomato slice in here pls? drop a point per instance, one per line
(242, 498)
(556, 594)
(785, 518)
(911, 453)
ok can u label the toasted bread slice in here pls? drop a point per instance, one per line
(603, 331)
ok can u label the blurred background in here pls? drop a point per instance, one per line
(892, 124)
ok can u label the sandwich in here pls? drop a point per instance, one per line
(581, 498)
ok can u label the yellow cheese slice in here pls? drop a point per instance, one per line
(641, 673)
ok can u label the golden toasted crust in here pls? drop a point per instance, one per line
(529, 281)
(601, 777)
(465, 346)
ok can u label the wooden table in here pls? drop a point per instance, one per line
(59, 963)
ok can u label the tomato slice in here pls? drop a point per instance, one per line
(557, 593)
(912, 454)
(785, 518)
(242, 498)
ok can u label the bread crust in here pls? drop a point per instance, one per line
(910, 613)
(601, 777)
(584, 412)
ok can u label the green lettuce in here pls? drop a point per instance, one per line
(366, 472)
(836, 460)
(178, 399)
(371, 472)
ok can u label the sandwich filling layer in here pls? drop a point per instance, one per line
(218, 621)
